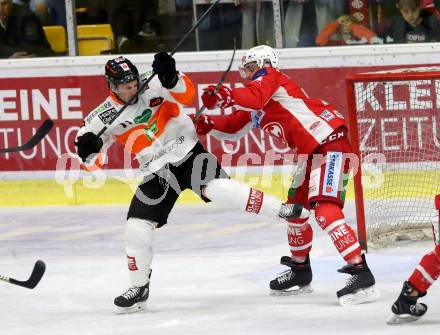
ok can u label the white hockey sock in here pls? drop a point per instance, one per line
(138, 245)
(229, 193)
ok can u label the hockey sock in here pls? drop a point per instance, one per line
(331, 219)
(427, 271)
(138, 243)
(229, 193)
(300, 236)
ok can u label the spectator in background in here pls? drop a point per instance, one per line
(430, 7)
(40, 9)
(218, 29)
(257, 23)
(127, 18)
(325, 11)
(56, 10)
(345, 31)
(414, 25)
(21, 2)
(21, 33)
(149, 13)
(183, 3)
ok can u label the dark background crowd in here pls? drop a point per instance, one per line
(150, 25)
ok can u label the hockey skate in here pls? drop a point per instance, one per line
(360, 287)
(293, 211)
(294, 281)
(133, 300)
(406, 308)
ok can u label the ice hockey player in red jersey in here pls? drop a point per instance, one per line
(276, 104)
(164, 141)
(406, 308)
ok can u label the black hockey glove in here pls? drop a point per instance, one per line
(165, 67)
(88, 144)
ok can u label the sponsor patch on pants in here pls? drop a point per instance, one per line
(255, 201)
(332, 174)
(132, 263)
(314, 183)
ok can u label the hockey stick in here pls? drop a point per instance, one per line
(145, 83)
(222, 79)
(34, 279)
(38, 136)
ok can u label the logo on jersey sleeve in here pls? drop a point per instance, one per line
(108, 115)
(98, 110)
(338, 114)
(327, 115)
(156, 101)
(256, 117)
(314, 125)
(275, 129)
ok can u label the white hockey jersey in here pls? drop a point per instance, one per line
(154, 128)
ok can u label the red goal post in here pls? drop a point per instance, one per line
(394, 121)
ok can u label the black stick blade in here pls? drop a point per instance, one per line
(34, 279)
(39, 135)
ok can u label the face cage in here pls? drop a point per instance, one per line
(242, 69)
(113, 83)
(242, 72)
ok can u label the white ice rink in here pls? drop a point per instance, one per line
(211, 271)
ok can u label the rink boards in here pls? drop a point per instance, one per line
(66, 89)
(36, 192)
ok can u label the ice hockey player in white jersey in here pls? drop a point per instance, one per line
(164, 141)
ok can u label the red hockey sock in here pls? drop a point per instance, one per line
(427, 272)
(300, 235)
(331, 219)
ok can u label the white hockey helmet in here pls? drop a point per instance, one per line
(262, 55)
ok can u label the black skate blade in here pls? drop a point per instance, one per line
(360, 296)
(294, 290)
(395, 319)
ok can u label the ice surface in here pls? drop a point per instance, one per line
(211, 271)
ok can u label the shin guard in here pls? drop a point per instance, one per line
(138, 243)
(300, 236)
(331, 219)
(427, 271)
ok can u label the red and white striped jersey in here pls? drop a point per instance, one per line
(279, 106)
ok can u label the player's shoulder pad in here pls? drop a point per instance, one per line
(105, 112)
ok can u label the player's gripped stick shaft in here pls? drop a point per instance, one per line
(220, 82)
(144, 84)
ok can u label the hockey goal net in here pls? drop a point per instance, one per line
(394, 120)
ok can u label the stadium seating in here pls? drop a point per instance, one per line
(56, 36)
(95, 39)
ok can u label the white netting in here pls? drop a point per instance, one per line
(398, 119)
